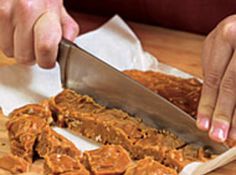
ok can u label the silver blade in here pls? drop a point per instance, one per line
(86, 74)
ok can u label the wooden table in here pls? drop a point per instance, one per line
(179, 49)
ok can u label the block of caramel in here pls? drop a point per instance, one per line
(149, 166)
(14, 164)
(68, 102)
(184, 93)
(62, 163)
(23, 132)
(107, 160)
(39, 110)
(50, 142)
(77, 172)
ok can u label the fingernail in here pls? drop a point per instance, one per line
(219, 131)
(203, 122)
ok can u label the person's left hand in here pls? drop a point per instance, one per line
(217, 112)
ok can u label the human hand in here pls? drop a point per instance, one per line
(30, 30)
(217, 112)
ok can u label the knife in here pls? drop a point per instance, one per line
(86, 74)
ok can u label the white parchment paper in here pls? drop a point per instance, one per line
(114, 43)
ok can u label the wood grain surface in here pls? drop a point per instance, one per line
(179, 49)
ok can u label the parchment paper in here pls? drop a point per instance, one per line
(114, 43)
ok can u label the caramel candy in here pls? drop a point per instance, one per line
(176, 160)
(184, 93)
(68, 102)
(61, 163)
(105, 128)
(77, 172)
(149, 166)
(41, 111)
(50, 142)
(23, 132)
(155, 143)
(14, 164)
(107, 160)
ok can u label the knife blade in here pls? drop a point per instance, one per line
(88, 75)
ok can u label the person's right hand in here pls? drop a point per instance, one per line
(30, 30)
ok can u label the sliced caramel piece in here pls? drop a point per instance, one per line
(23, 132)
(77, 172)
(41, 111)
(176, 160)
(106, 128)
(184, 93)
(50, 142)
(149, 166)
(69, 101)
(61, 163)
(107, 160)
(14, 164)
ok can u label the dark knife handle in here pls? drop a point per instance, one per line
(62, 58)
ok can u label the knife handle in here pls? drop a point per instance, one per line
(62, 58)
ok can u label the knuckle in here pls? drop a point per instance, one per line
(228, 83)
(206, 108)
(75, 27)
(25, 7)
(24, 59)
(7, 51)
(69, 21)
(228, 29)
(209, 37)
(23, 4)
(5, 11)
(45, 48)
(222, 116)
(213, 79)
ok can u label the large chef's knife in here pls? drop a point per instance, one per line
(86, 74)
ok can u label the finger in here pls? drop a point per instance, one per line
(225, 104)
(220, 55)
(232, 132)
(69, 27)
(206, 51)
(47, 34)
(6, 28)
(26, 14)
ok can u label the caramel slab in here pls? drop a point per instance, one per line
(184, 93)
